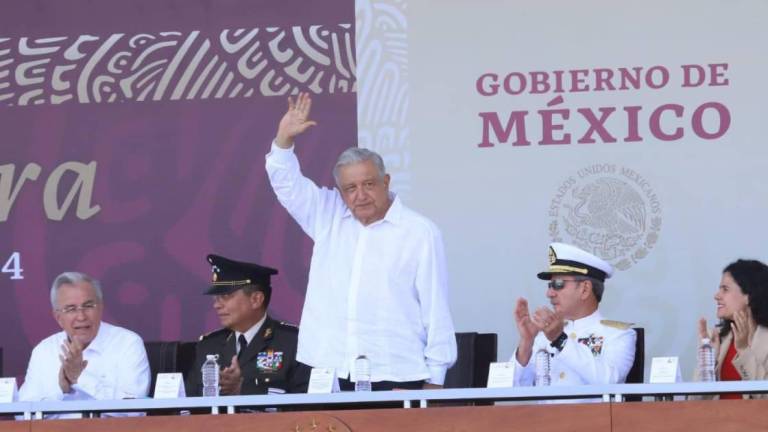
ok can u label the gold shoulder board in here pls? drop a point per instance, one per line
(617, 324)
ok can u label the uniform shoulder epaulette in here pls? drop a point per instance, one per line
(212, 333)
(617, 324)
(287, 324)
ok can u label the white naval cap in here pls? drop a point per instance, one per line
(568, 259)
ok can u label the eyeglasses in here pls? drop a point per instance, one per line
(559, 284)
(73, 310)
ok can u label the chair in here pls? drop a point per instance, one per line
(163, 358)
(185, 359)
(475, 353)
(636, 374)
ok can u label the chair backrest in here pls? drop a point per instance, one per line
(162, 358)
(475, 353)
(185, 359)
(636, 374)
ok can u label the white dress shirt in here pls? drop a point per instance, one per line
(596, 352)
(249, 334)
(117, 368)
(379, 290)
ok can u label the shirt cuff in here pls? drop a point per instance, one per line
(85, 388)
(437, 374)
(280, 155)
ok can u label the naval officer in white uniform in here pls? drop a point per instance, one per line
(583, 347)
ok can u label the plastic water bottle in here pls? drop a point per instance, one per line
(542, 368)
(706, 361)
(210, 371)
(363, 373)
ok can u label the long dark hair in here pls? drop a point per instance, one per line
(752, 277)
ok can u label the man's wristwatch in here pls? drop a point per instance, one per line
(559, 342)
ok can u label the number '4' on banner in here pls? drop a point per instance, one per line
(13, 266)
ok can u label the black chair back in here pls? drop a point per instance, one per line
(475, 353)
(636, 374)
(185, 359)
(162, 358)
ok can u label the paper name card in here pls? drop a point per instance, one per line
(169, 386)
(665, 370)
(9, 392)
(323, 381)
(501, 375)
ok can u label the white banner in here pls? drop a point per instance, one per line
(634, 130)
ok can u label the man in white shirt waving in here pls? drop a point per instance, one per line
(377, 282)
(89, 359)
(583, 347)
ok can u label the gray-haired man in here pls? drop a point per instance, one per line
(377, 282)
(89, 358)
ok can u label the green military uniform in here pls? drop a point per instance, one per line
(269, 360)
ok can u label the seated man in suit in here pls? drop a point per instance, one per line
(257, 354)
(583, 347)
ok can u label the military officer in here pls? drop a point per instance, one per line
(583, 347)
(257, 354)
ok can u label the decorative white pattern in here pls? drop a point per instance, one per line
(170, 65)
(383, 97)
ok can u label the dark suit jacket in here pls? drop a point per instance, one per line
(269, 360)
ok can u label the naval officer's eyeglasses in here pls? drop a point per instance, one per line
(559, 284)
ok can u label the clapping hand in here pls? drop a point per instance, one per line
(743, 328)
(527, 329)
(72, 364)
(231, 378)
(713, 335)
(550, 322)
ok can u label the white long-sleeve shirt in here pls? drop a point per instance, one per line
(379, 290)
(117, 368)
(596, 352)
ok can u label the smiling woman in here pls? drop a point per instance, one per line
(741, 343)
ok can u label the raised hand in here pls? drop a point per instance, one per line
(525, 325)
(550, 322)
(527, 330)
(742, 329)
(703, 330)
(231, 378)
(751, 325)
(713, 335)
(295, 121)
(72, 363)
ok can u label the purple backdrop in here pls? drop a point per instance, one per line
(177, 103)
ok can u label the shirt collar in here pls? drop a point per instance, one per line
(394, 214)
(251, 332)
(98, 343)
(587, 321)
